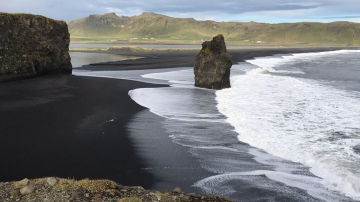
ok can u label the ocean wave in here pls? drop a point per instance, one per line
(299, 120)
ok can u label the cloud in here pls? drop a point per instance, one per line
(200, 9)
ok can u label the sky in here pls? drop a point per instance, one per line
(268, 11)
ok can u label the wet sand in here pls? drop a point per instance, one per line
(70, 127)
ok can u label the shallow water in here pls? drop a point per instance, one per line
(138, 45)
(79, 59)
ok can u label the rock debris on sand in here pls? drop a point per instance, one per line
(26, 190)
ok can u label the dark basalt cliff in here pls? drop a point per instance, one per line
(32, 45)
(212, 65)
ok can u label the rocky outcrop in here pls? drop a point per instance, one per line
(212, 65)
(32, 45)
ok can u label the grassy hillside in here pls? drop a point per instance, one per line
(155, 28)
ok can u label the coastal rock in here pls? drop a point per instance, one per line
(32, 45)
(27, 190)
(212, 65)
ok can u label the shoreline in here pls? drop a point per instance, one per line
(76, 127)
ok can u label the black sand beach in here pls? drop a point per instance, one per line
(71, 127)
(77, 127)
(157, 59)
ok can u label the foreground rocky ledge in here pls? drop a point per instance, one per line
(58, 189)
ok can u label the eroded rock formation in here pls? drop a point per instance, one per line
(212, 65)
(32, 45)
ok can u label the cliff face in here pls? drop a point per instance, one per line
(212, 65)
(32, 45)
(109, 19)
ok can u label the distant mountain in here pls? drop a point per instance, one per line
(155, 27)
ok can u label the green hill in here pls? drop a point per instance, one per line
(156, 28)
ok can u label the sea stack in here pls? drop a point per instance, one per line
(212, 65)
(32, 45)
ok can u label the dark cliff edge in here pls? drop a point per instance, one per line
(212, 65)
(32, 45)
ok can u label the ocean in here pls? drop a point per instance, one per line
(287, 130)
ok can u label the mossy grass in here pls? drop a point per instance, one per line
(96, 186)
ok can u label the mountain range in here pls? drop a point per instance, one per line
(156, 28)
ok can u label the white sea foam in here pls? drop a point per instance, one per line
(134, 75)
(174, 103)
(268, 63)
(279, 164)
(182, 76)
(310, 184)
(259, 71)
(299, 120)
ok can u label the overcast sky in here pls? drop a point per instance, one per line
(270, 11)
